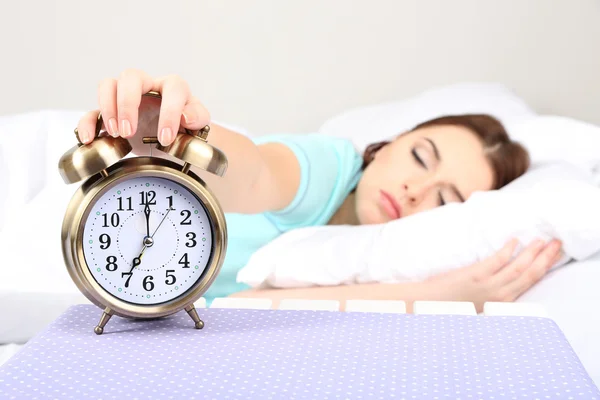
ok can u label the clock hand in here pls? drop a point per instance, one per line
(138, 260)
(147, 213)
(169, 210)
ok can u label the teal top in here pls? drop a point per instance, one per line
(329, 170)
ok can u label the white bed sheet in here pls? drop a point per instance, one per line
(7, 351)
(571, 297)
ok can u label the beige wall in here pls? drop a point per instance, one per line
(274, 65)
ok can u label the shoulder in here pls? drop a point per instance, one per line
(329, 167)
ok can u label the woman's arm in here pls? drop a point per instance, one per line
(497, 278)
(258, 178)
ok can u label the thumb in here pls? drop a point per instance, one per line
(195, 115)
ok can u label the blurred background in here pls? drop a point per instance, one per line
(274, 66)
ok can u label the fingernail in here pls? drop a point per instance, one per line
(189, 119)
(166, 135)
(559, 256)
(85, 136)
(125, 128)
(112, 127)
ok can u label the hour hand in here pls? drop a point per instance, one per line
(147, 213)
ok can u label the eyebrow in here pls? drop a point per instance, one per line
(437, 156)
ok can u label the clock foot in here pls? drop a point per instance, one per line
(191, 310)
(103, 321)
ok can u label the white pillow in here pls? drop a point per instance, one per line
(553, 201)
(551, 138)
(374, 123)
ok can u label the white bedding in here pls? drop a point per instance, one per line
(34, 290)
(8, 350)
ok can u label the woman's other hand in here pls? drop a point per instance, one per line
(499, 277)
(126, 112)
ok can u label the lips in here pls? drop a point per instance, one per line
(389, 205)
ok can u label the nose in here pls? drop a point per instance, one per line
(416, 191)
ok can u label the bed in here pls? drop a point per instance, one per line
(35, 294)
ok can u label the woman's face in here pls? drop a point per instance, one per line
(421, 170)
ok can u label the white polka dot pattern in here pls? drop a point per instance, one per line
(275, 354)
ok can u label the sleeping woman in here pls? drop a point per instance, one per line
(281, 182)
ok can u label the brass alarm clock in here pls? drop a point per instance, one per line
(143, 237)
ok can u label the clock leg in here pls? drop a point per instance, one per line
(103, 321)
(191, 310)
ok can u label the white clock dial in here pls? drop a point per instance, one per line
(159, 219)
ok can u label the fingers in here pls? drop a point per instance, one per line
(536, 270)
(496, 262)
(107, 100)
(87, 126)
(121, 101)
(195, 116)
(130, 87)
(175, 95)
(516, 267)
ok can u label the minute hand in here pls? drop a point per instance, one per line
(165, 217)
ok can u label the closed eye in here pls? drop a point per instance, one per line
(418, 158)
(442, 202)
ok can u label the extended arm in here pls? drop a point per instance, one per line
(258, 178)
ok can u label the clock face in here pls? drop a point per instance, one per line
(147, 240)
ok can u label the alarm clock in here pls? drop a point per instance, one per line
(143, 237)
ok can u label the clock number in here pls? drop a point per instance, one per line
(149, 197)
(112, 263)
(105, 240)
(114, 220)
(148, 284)
(192, 239)
(170, 275)
(120, 199)
(129, 275)
(170, 201)
(186, 214)
(184, 261)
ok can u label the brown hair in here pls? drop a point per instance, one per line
(509, 159)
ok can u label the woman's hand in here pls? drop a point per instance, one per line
(258, 179)
(126, 112)
(498, 278)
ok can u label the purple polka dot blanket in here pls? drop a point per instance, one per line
(287, 354)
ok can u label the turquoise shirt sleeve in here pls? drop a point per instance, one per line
(330, 168)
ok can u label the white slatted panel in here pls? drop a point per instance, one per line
(238, 302)
(381, 306)
(515, 309)
(7, 351)
(200, 303)
(444, 307)
(316, 305)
